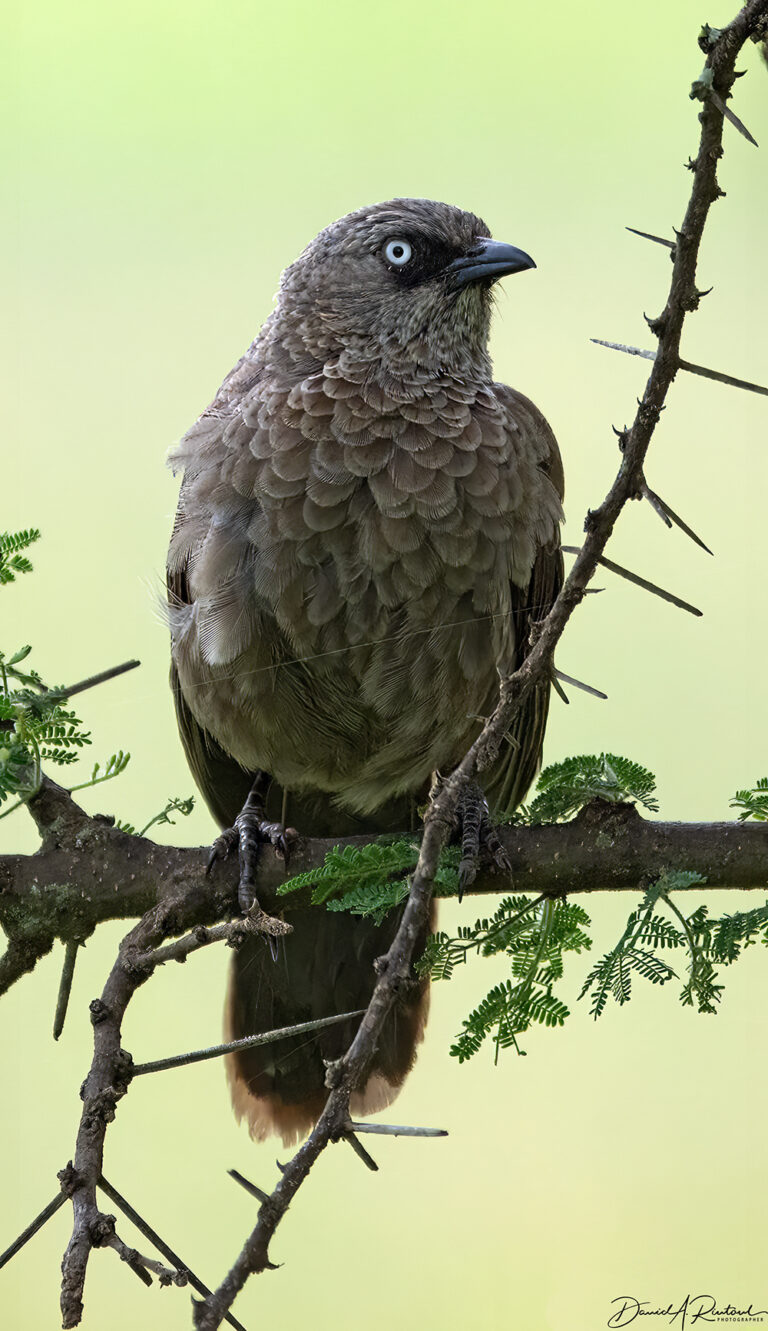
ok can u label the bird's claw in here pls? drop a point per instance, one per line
(222, 846)
(250, 830)
(477, 834)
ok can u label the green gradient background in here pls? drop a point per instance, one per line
(167, 163)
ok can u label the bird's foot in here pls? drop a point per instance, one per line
(477, 834)
(252, 829)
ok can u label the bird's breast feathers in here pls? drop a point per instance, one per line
(362, 530)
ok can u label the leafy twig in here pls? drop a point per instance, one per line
(11, 559)
(752, 803)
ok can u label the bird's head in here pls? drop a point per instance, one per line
(408, 282)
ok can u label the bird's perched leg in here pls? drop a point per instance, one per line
(251, 828)
(473, 829)
(477, 833)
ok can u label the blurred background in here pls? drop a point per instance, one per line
(165, 162)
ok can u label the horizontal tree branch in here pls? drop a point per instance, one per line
(87, 871)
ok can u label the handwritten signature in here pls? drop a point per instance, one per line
(694, 1308)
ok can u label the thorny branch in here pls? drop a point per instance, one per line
(107, 1082)
(87, 872)
(117, 875)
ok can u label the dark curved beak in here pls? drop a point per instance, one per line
(488, 261)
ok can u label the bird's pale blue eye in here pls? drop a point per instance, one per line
(397, 252)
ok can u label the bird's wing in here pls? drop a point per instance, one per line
(519, 760)
(221, 780)
(224, 784)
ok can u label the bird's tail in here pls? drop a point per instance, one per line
(325, 967)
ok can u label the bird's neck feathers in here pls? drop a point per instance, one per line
(445, 341)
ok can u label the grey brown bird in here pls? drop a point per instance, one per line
(367, 527)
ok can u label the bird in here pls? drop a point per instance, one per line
(368, 527)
